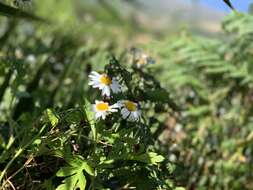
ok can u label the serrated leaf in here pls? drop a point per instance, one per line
(88, 168)
(81, 184)
(74, 177)
(66, 171)
(76, 180)
(69, 183)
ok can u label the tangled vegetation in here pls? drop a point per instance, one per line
(81, 110)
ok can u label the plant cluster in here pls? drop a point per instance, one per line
(77, 145)
(183, 121)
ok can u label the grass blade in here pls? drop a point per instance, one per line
(9, 11)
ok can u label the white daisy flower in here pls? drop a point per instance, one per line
(104, 83)
(129, 110)
(102, 109)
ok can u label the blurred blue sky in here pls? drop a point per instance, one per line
(241, 5)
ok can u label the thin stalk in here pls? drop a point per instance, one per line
(20, 169)
(94, 134)
(18, 153)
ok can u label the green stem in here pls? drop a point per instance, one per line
(94, 134)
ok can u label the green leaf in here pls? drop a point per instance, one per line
(73, 174)
(66, 171)
(81, 184)
(69, 183)
(180, 188)
(76, 180)
(89, 115)
(88, 168)
(52, 117)
(149, 158)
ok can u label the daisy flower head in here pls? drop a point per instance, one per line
(102, 109)
(105, 83)
(129, 110)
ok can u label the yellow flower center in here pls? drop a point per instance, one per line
(131, 106)
(102, 106)
(105, 79)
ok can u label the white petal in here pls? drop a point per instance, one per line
(114, 106)
(121, 103)
(116, 88)
(104, 116)
(125, 113)
(94, 108)
(94, 73)
(124, 116)
(106, 91)
(103, 91)
(101, 86)
(93, 77)
(131, 117)
(124, 110)
(98, 115)
(94, 82)
(94, 85)
(113, 110)
(136, 114)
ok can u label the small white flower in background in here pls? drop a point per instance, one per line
(144, 59)
(31, 59)
(104, 83)
(140, 58)
(129, 110)
(102, 109)
(19, 53)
